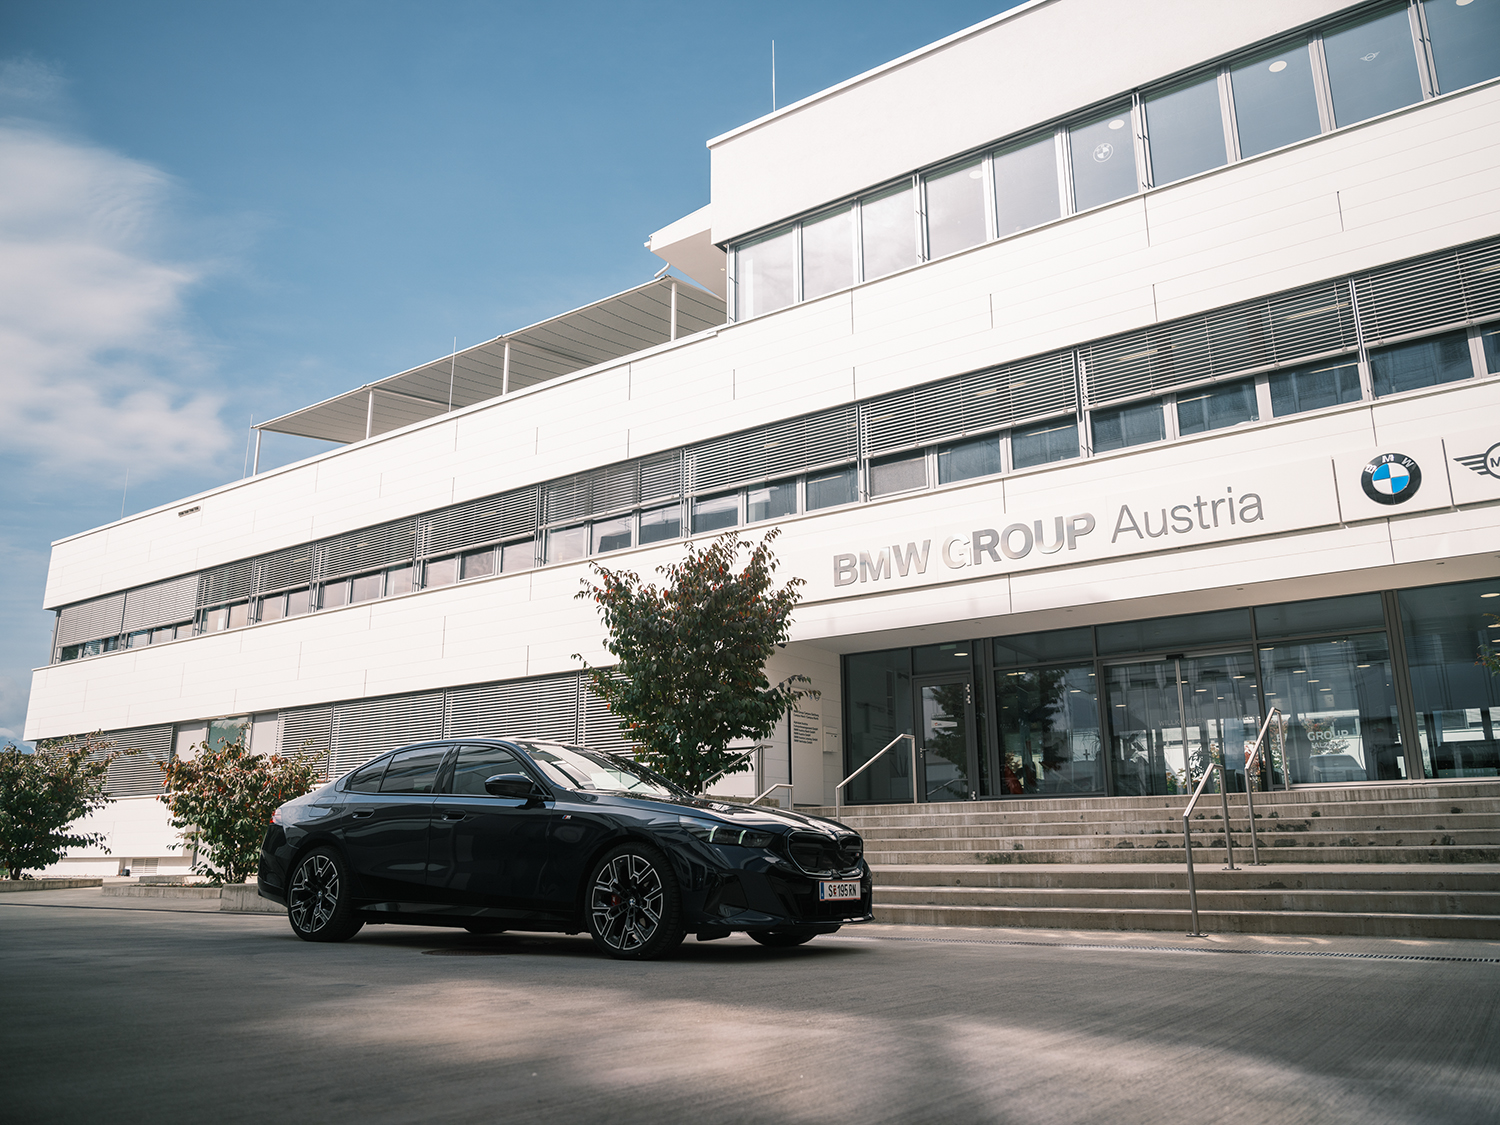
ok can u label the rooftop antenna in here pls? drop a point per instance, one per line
(245, 468)
(123, 491)
(773, 76)
(452, 368)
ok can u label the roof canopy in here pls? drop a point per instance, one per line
(617, 326)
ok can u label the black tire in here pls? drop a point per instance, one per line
(632, 906)
(780, 939)
(319, 898)
(484, 929)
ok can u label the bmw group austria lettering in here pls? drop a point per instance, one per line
(1391, 478)
(517, 834)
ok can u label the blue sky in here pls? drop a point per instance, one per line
(210, 212)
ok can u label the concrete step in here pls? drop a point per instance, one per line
(1000, 827)
(976, 813)
(1210, 876)
(1100, 899)
(1205, 852)
(1205, 835)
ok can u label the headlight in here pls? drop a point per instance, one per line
(722, 834)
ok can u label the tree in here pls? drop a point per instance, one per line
(223, 800)
(691, 674)
(1489, 656)
(44, 792)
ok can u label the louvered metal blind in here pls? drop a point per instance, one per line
(661, 479)
(369, 727)
(480, 521)
(226, 583)
(781, 448)
(90, 620)
(388, 544)
(285, 569)
(546, 707)
(139, 775)
(1257, 334)
(598, 726)
(165, 603)
(1444, 290)
(971, 404)
(307, 730)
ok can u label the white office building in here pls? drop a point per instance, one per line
(1115, 373)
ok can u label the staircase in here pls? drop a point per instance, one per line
(1417, 860)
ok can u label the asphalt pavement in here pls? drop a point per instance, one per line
(120, 1010)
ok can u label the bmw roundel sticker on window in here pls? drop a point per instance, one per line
(1391, 478)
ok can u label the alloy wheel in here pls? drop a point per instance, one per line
(626, 902)
(315, 894)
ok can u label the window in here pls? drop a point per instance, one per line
(955, 209)
(888, 232)
(234, 728)
(518, 556)
(901, 473)
(164, 634)
(1490, 337)
(138, 640)
(271, 608)
(1103, 159)
(1313, 387)
(333, 594)
(298, 602)
(398, 580)
(440, 572)
(1026, 192)
(827, 253)
(1274, 104)
(222, 617)
(477, 564)
(1321, 615)
(770, 501)
(1186, 130)
(612, 535)
(366, 588)
(1044, 443)
(714, 512)
(1124, 426)
(1464, 41)
(1421, 363)
(1213, 408)
(1048, 725)
(763, 274)
(1371, 67)
(477, 764)
(366, 779)
(831, 488)
(567, 544)
(969, 459)
(660, 524)
(239, 615)
(1457, 700)
(414, 771)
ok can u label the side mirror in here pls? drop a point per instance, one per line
(516, 785)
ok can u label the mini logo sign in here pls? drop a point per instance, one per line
(1391, 478)
(1486, 464)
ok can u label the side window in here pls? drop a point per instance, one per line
(414, 771)
(477, 763)
(366, 779)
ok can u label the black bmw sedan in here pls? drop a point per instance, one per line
(516, 834)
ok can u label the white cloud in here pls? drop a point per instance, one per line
(96, 370)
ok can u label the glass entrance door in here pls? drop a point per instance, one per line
(945, 739)
(1170, 718)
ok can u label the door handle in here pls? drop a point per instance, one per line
(454, 815)
(362, 815)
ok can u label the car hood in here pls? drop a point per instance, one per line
(745, 816)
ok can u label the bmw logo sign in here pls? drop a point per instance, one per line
(1391, 478)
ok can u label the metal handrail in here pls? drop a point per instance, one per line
(911, 739)
(1187, 839)
(773, 788)
(1251, 756)
(734, 767)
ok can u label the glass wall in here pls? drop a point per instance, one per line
(1186, 127)
(1421, 363)
(878, 707)
(1449, 630)
(1048, 727)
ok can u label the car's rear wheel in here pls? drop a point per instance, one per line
(782, 939)
(634, 908)
(319, 898)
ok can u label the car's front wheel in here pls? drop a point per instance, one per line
(319, 898)
(634, 909)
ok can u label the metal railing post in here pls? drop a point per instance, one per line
(839, 788)
(1187, 839)
(1224, 801)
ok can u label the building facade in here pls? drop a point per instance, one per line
(1113, 381)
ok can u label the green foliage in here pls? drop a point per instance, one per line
(42, 793)
(223, 800)
(1489, 656)
(692, 653)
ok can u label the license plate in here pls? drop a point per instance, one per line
(838, 892)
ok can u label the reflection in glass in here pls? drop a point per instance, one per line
(1372, 67)
(333, 594)
(898, 474)
(1490, 338)
(1274, 103)
(1213, 408)
(440, 572)
(1103, 159)
(1314, 387)
(1044, 443)
(955, 209)
(763, 271)
(714, 512)
(478, 564)
(518, 556)
(1186, 127)
(1038, 648)
(661, 523)
(1421, 363)
(888, 232)
(827, 253)
(1320, 615)
(1125, 426)
(366, 588)
(567, 544)
(272, 608)
(298, 602)
(1168, 634)
(398, 581)
(877, 709)
(943, 741)
(1457, 700)
(831, 488)
(770, 501)
(1340, 708)
(969, 459)
(1048, 722)
(612, 535)
(1026, 192)
(1465, 41)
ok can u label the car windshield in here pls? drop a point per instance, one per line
(576, 768)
